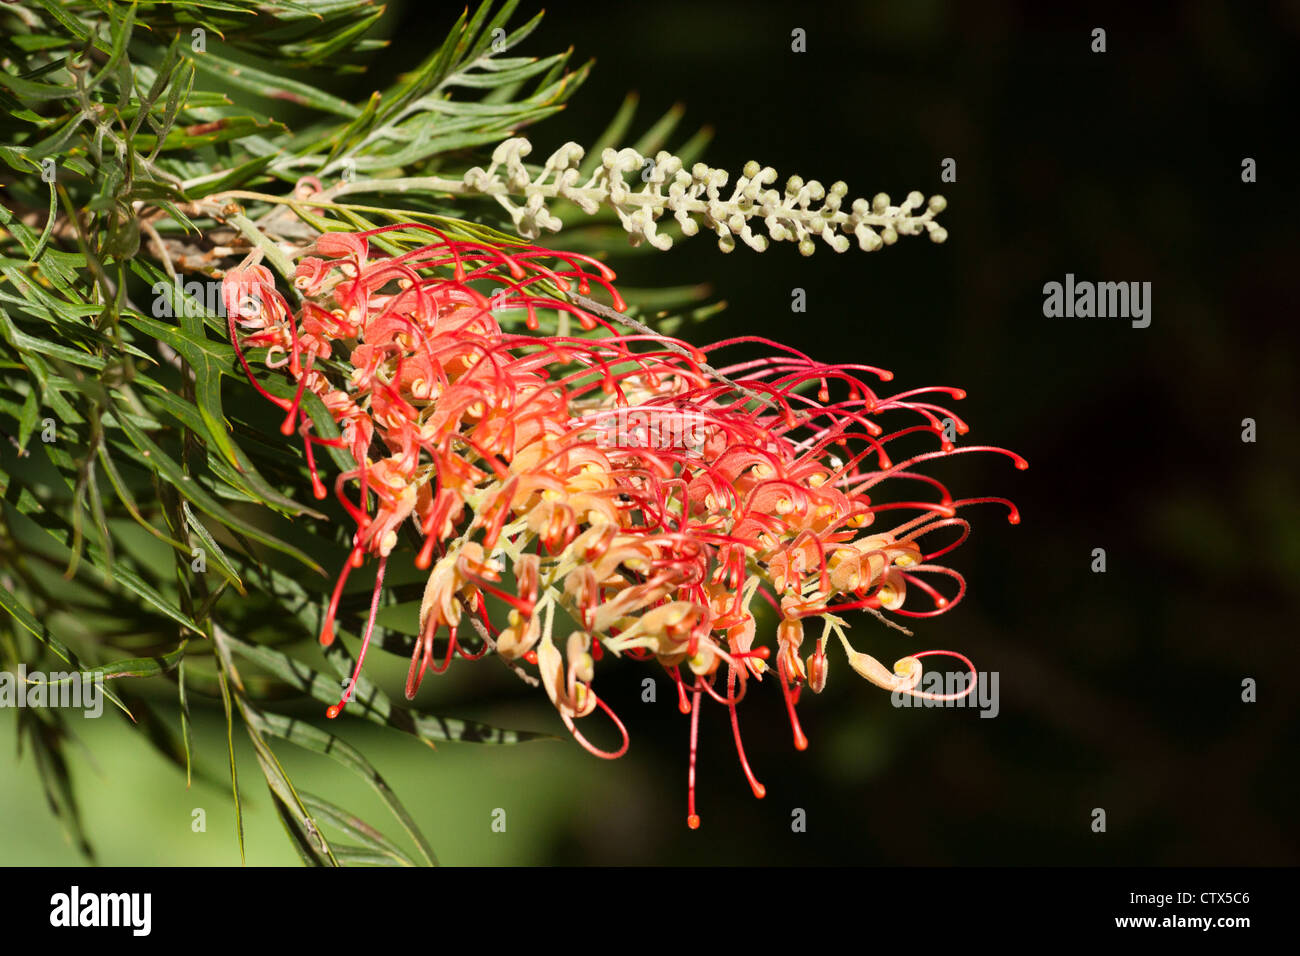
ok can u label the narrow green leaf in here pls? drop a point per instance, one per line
(200, 498)
(318, 741)
(370, 702)
(271, 86)
(25, 617)
(375, 848)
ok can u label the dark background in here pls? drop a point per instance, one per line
(1119, 690)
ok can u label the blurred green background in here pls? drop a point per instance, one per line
(1119, 690)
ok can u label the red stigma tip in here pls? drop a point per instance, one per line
(693, 821)
(531, 657)
(760, 791)
(800, 741)
(333, 711)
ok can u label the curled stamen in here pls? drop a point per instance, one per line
(591, 748)
(970, 684)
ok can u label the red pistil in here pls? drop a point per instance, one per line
(791, 698)
(693, 818)
(365, 642)
(327, 629)
(760, 791)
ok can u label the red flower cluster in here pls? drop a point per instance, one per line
(512, 458)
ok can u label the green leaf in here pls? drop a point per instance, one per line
(140, 666)
(27, 420)
(118, 573)
(370, 702)
(46, 731)
(191, 490)
(318, 741)
(206, 134)
(229, 179)
(271, 86)
(25, 617)
(214, 549)
(228, 708)
(611, 138)
(375, 848)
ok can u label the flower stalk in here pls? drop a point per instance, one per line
(662, 187)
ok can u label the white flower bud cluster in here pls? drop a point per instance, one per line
(695, 197)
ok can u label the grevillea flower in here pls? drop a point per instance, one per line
(495, 450)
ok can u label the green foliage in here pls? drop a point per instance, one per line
(148, 147)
